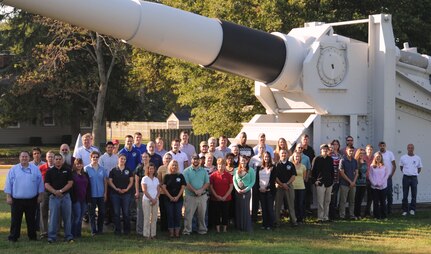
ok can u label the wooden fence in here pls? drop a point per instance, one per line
(170, 134)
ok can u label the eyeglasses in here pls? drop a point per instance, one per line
(64, 150)
(350, 140)
(95, 157)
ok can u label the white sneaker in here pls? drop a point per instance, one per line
(404, 214)
(412, 212)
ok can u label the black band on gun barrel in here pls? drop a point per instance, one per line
(250, 53)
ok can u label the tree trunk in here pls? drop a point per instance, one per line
(99, 124)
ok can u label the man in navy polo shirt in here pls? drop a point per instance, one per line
(285, 173)
(154, 157)
(349, 173)
(58, 181)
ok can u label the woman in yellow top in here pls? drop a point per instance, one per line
(299, 186)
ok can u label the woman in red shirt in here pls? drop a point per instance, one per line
(221, 185)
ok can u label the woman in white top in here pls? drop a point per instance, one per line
(265, 178)
(150, 202)
(379, 178)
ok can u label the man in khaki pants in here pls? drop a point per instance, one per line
(349, 174)
(285, 173)
(197, 180)
(323, 178)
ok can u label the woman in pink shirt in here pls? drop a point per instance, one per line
(378, 177)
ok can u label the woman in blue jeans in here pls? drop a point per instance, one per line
(265, 178)
(79, 195)
(121, 181)
(173, 186)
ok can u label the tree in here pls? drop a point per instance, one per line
(71, 62)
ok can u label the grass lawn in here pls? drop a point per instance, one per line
(396, 235)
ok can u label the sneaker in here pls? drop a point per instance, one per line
(404, 214)
(50, 241)
(412, 212)
(186, 233)
(70, 241)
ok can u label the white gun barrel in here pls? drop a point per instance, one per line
(172, 32)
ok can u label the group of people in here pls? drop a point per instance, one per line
(217, 185)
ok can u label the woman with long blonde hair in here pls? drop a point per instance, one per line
(361, 181)
(379, 182)
(173, 186)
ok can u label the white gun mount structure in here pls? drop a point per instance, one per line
(309, 81)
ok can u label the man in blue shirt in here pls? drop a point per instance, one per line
(137, 143)
(133, 155)
(99, 185)
(23, 188)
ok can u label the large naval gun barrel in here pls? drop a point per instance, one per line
(161, 29)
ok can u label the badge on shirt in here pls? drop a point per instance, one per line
(134, 154)
(178, 179)
(126, 172)
(288, 167)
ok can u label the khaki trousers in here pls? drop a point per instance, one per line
(347, 194)
(150, 218)
(192, 204)
(323, 201)
(279, 196)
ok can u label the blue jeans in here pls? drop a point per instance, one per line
(334, 200)
(55, 204)
(100, 203)
(389, 196)
(121, 204)
(267, 203)
(173, 212)
(409, 182)
(300, 205)
(79, 208)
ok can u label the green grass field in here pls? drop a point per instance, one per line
(396, 235)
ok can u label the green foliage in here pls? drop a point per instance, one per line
(52, 59)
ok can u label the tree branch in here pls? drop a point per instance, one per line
(85, 98)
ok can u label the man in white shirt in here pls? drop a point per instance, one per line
(389, 162)
(83, 152)
(212, 142)
(262, 140)
(185, 146)
(179, 156)
(410, 165)
(108, 160)
(223, 146)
